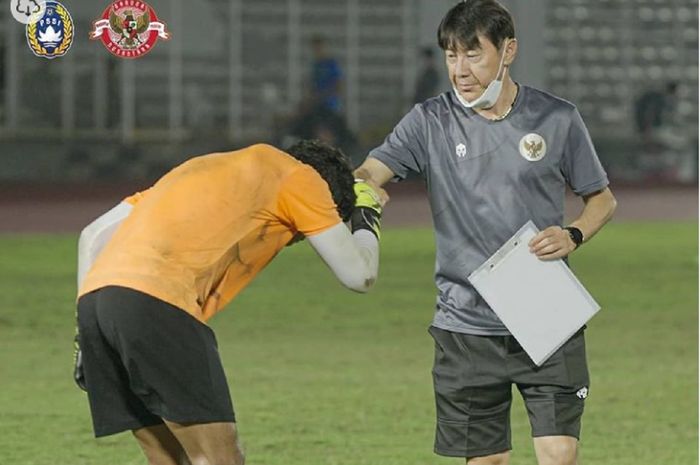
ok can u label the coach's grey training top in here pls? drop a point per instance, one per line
(485, 180)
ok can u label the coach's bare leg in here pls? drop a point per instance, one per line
(495, 459)
(556, 450)
(160, 446)
(209, 443)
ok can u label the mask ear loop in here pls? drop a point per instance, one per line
(501, 68)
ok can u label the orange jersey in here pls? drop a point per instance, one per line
(203, 231)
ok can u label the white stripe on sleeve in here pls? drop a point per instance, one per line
(96, 235)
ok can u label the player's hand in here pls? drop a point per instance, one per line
(552, 243)
(381, 193)
(367, 196)
(78, 375)
(368, 209)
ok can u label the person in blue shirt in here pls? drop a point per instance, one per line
(326, 78)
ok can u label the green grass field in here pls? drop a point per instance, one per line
(321, 376)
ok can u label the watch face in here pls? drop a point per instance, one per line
(576, 235)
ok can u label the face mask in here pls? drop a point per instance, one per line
(488, 98)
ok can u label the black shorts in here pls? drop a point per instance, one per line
(145, 361)
(473, 378)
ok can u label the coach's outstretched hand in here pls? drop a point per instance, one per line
(78, 375)
(368, 209)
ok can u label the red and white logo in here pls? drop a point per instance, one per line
(129, 28)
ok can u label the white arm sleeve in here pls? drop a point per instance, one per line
(96, 235)
(353, 258)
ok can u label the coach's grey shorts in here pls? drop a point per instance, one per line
(473, 377)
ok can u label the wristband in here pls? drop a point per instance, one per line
(366, 218)
(368, 209)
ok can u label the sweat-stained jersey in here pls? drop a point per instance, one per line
(203, 231)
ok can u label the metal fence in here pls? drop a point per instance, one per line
(230, 66)
(233, 67)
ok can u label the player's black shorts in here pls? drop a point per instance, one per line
(145, 360)
(473, 378)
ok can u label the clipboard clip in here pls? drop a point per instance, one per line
(527, 230)
(493, 262)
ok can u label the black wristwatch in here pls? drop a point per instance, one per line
(575, 234)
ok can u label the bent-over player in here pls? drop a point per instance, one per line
(156, 267)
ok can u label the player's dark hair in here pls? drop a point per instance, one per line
(461, 25)
(334, 167)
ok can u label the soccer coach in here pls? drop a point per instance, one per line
(154, 269)
(494, 154)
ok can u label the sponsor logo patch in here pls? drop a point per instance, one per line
(461, 150)
(582, 393)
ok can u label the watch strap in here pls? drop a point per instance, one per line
(575, 234)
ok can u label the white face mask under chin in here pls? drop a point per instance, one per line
(490, 95)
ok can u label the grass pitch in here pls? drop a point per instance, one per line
(321, 376)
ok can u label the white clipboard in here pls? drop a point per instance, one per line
(541, 303)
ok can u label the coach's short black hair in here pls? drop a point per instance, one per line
(334, 167)
(466, 20)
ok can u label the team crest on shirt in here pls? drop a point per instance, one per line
(51, 36)
(129, 28)
(533, 147)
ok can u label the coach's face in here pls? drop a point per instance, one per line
(471, 71)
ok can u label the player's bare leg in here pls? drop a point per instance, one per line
(556, 450)
(209, 443)
(160, 446)
(495, 459)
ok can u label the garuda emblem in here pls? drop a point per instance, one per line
(129, 28)
(533, 147)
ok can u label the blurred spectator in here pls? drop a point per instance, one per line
(2, 64)
(428, 78)
(320, 115)
(667, 152)
(325, 125)
(326, 77)
(653, 109)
